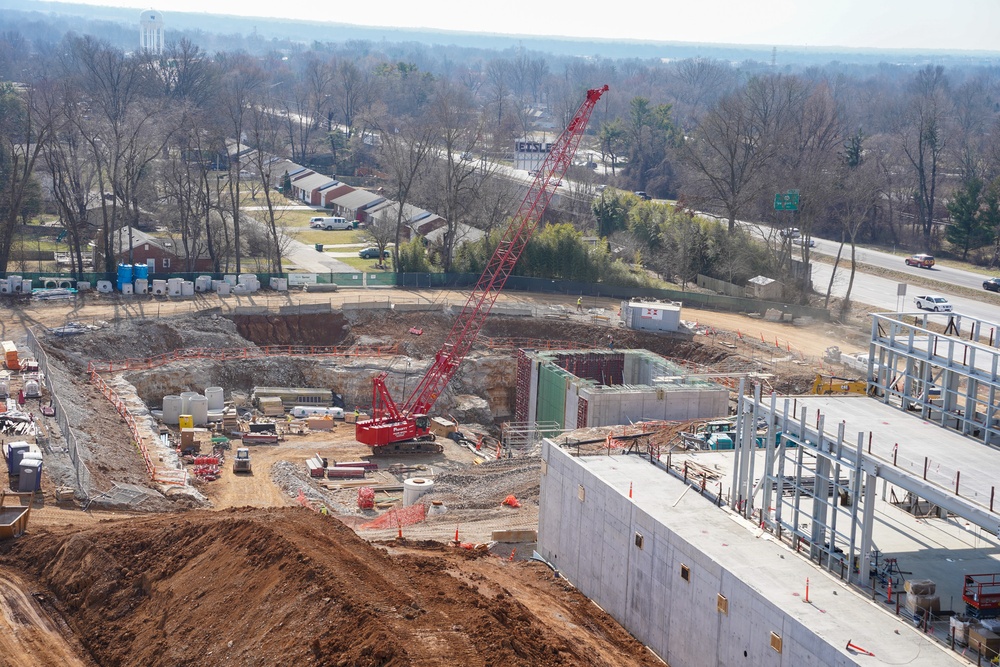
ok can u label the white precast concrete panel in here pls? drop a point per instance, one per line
(172, 410)
(414, 488)
(199, 410)
(216, 398)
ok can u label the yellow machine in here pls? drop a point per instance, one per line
(830, 384)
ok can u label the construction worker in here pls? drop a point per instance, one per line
(357, 413)
(579, 304)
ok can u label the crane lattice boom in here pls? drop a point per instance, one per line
(388, 418)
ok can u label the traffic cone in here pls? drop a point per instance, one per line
(456, 533)
(888, 593)
(630, 489)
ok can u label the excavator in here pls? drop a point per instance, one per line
(405, 428)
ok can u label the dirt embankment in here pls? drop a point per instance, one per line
(290, 587)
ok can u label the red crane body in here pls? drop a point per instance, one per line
(394, 424)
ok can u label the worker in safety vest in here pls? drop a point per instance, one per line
(579, 304)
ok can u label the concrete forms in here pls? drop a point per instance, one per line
(699, 585)
(949, 377)
(652, 316)
(583, 388)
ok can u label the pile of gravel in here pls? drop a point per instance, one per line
(485, 486)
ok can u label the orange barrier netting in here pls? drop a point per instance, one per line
(398, 518)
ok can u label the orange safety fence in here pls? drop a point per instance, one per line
(398, 518)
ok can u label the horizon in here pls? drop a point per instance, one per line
(887, 25)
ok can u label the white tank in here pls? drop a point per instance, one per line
(203, 284)
(186, 397)
(279, 284)
(231, 279)
(216, 398)
(105, 286)
(141, 285)
(14, 283)
(414, 488)
(223, 288)
(159, 287)
(174, 287)
(127, 288)
(187, 288)
(199, 410)
(171, 410)
(32, 389)
(26, 286)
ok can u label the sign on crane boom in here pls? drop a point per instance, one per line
(407, 428)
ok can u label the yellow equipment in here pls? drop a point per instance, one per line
(830, 384)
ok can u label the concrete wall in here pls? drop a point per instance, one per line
(621, 407)
(592, 542)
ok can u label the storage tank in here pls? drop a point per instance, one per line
(279, 284)
(174, 287)
(140, 271)
(171, 410)
(32, 388)
(141, 285)
(414, 488)
(14, 284)
(230, 279)
(216, 398)
(26, 286)
(126, 288)
(160, 287)
(223, 288)
(203, 284)
(187, 288)
(199, 410)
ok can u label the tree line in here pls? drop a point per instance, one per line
(108, 140)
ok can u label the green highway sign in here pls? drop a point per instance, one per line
(787, 201)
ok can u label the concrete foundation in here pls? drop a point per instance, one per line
(697, 584)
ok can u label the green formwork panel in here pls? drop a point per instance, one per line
(551, 406)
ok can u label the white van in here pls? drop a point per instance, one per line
(303, 411)
(330, 223)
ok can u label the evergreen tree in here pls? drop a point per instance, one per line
(967, 230)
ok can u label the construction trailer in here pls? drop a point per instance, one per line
(584, 388)
(651, 315)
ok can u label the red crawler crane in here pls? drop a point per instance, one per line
(407, 427)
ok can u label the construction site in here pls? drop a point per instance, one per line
(421, 478)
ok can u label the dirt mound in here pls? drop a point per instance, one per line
(289, 587)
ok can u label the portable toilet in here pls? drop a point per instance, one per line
(124, 276)
(30, 478)
(13, 452)
(141, 272)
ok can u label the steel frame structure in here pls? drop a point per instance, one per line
(950, 378)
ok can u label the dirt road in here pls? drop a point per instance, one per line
(29, 637)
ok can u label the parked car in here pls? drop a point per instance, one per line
(923, 261)
(992, 285)
(371, 253)
(330, 223)
(938, 304)
(642, 195)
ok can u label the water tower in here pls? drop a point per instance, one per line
(151, 31)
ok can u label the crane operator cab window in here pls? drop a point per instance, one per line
(422, 422)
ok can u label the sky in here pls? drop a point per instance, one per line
(950, 25)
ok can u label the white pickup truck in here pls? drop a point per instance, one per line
(938, 304)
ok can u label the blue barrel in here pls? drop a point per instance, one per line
(141, 272)
(124, 275)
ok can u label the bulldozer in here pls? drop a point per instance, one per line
(831, 384)
(242, 461)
